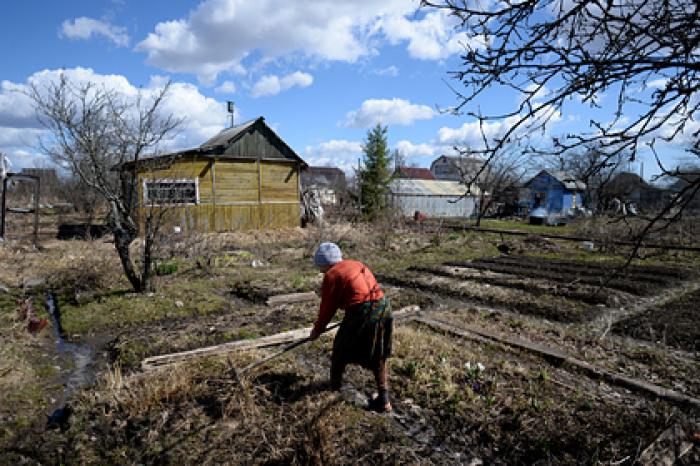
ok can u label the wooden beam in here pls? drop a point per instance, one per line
(670, 446)
(213, 181)
(260, 209)
(154, 362)
(558, 357)
(291, 298)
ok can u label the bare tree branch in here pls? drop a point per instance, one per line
(92, 130)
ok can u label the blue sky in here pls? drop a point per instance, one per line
(321, 72)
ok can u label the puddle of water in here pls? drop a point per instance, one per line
(81, 355)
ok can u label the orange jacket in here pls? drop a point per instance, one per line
(345, 284)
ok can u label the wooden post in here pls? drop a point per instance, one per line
(260, 207)
(213, 193)
(37, 191)
(298, 165)
(2, 210)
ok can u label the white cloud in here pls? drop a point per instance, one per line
(539, 93)
(226, 87)
(335, 153)
(16, 109)
(470, 133)
(387, 112)
(19, 130)
(658, 83)
(409, 150)
(388, 71)
(84, 28)
(273, 85)
(219, 35)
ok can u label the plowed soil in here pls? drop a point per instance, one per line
(676, 323)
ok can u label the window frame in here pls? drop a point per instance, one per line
(147, 203)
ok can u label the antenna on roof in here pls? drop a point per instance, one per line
(230, 107)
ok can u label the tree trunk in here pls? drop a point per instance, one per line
(123, 237)
(483, 206)
(122, 240)
(147, 254)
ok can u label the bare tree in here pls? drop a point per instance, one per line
(594, 169)
(644, 53)
(93, 129)
(87, 201)
(495, 180)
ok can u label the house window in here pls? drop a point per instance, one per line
(170, 192)
(540, 199)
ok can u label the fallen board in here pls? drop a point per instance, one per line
(670, 446)
(557, 357)
(290, 336)
(291, 298)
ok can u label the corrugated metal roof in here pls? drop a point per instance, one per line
(568, 180)
(429, 187)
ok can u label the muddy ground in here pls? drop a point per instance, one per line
(674, 323)
(520, 409)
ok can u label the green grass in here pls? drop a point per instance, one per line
(451, 247)
(197, 297)
(523, 226)
(166, 268)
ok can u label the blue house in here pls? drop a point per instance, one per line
(556, 191)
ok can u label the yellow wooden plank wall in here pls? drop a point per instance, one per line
(183, 169)
(236, 181)
(236, 205)
(209, 218)
(279, 182)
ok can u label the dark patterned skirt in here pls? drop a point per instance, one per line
(364, 336)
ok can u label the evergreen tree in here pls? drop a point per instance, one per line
(375, 175)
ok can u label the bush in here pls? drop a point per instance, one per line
(166, 268)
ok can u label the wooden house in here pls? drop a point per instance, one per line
(632, 188)
(452, 168)
(555, 191)
(328, 182)
(246, 177)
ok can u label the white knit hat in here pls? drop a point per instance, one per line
(327, 254)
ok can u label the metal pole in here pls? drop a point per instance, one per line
(231, 107)
(2, 210)
(37, 190)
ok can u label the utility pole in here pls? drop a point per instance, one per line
(230, 107)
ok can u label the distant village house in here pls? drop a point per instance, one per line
(556, 191)
(413, 173)
(433, 198)
(451, 168)
(631, 188)
(328, 182)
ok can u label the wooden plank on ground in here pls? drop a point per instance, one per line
(290, 336)
(291, 298)
(670, 446)
(559, 357)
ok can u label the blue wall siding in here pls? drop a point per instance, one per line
(558, 199)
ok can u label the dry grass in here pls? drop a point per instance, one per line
(519, 410)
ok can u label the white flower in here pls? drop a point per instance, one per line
(476, 367)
